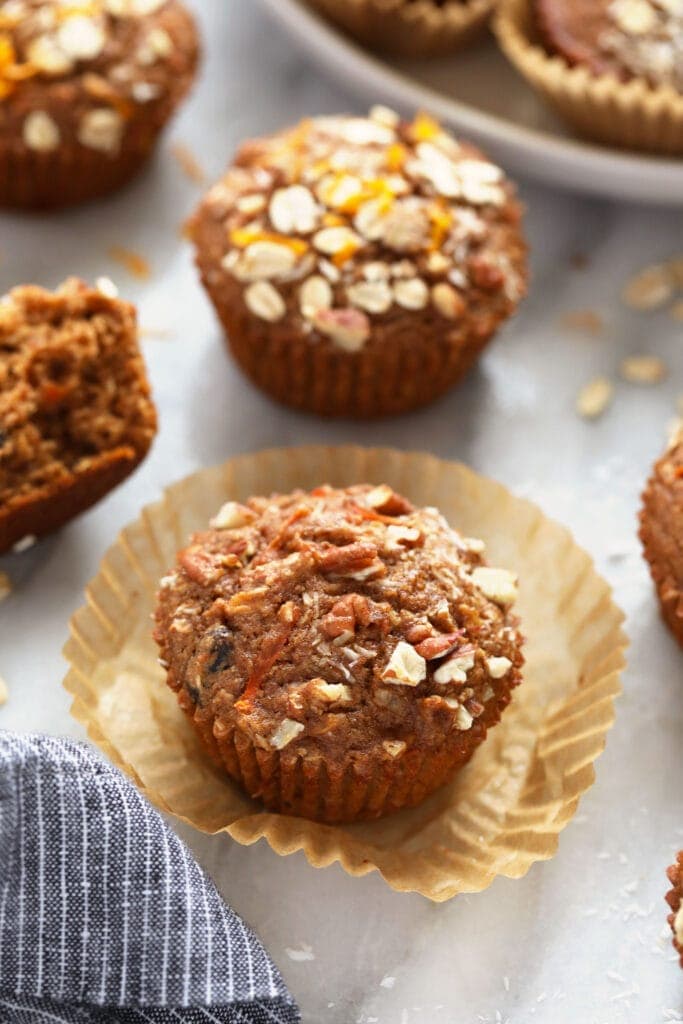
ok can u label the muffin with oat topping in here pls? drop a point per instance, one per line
(612, 68)
(626, 38)
(360, 265)
(76, 416)
(340, 652)
(412, 28)
(675, 900)
(85, 90)
(661, 531)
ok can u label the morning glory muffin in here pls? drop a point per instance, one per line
(612, 68)
(661, 531)
(675, 900)
(360, 265)
(76, 416)
(626, 38)
(412, 28)
(85, 90)
(340, 653)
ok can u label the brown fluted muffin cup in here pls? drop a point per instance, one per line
(359, 266)
(661, 532)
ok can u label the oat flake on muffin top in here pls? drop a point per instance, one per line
(345, 221)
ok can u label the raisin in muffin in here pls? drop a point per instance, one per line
(661, 531)
(76, 416)
(360, 265)
(675, 900)
(340, 652)
(412, 28)
(626, 38)
(85, 90)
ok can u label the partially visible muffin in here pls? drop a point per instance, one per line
(411, 28)
(340, 652)
(76, 415)
(626, 38)
(360, 265)
(675, 900)
(661, 531)
(85, 90)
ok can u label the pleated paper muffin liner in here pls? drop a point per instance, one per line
(633, 115)
(415, 29)
(502, 812)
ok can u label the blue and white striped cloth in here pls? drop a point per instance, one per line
(104, 914)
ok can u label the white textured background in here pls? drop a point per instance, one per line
(582, 938)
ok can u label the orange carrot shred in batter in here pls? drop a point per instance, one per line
(269, 654)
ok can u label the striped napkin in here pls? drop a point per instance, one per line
(104, 914)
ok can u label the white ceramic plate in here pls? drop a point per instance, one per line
(479, 93)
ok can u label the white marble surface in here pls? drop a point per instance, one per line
(581, 938)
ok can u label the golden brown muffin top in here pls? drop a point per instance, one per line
(80, 72)
(335, 620)
(630, 38)
(343, 221)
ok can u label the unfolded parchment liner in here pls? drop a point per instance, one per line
(414, 29)
(502, 813)
(631, 114)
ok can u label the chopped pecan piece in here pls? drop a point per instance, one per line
(348, 612)
(485, 275)
(349, 559)
(386, 501)
(200, 566)
(437, 646)
(417, 633)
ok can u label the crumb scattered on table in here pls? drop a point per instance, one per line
(586, 320)
(189, 165)
(133, 262)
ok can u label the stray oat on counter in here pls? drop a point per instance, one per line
(85, 90)
(661, 531)
(76, 415)
(340, 652)
(360, 265)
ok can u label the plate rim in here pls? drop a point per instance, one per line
(593, 169)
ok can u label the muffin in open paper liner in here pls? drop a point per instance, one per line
(502, 812)
(416, 29)
(632, 114)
